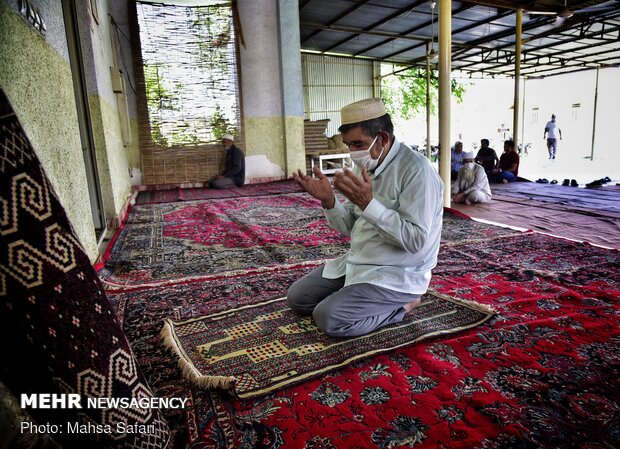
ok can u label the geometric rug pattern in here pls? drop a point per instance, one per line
(254, 349)
(58, 330)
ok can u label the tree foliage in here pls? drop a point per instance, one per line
(404, 93)
(189, 72)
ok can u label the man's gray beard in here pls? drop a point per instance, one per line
(467, 178)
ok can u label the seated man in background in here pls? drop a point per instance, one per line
(456, 160)
(472, 184)
(487, 157)
(234, 166)
(393, 213)
(508, 165)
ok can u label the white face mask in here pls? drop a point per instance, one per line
(363, 158)
(469, 165)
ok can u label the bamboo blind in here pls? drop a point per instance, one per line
(187, 90)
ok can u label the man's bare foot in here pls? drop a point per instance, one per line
(412, 305)
(467, 201)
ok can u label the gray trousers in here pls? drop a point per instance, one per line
(348, 311)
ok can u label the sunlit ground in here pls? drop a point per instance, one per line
(571, 163)
(487, 108)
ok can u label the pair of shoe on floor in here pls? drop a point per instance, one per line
(598, 183)
(571, 182)
(546, 181)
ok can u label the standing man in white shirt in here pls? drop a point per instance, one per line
(551, 134)
(393, 214)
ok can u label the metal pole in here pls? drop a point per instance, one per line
(516, 103)
(523, 114)
(594, 114)
(428, 100)
(445, 61)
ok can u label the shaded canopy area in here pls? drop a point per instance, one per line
(559, 36)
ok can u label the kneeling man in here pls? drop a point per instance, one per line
(393, 213)
(472, 184)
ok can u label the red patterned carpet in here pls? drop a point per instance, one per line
(259, 189)
(542, 374)
(172, 241)
(206, 193)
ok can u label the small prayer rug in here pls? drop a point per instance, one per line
(259, 348)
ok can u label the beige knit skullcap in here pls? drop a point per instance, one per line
(361, 111)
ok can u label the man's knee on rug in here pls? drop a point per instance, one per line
(305, 293)
(338, 319)
(334, 326)
(298, 300)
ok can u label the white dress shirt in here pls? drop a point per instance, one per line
(395, 240)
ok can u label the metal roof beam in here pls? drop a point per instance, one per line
(566, 69)
(374, 25)
(413, 47)
(477, 42)
(340, 16)
(557, 63)
(345, 29)
(571, 24)
(508, 33)
(411, 30)
(550, 45)
(530, 56)
(404, 33)
(531, 66)
(582, 61)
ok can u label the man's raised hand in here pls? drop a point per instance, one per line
(319, 187)
(357, 190)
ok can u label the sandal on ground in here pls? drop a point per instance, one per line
(594, 184)
(566, 182)
(573, 183)
(542, 181)
(554, 181)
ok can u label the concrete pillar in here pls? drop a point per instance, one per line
(271, 87)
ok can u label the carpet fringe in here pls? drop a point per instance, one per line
(188, 369)
(472, 304)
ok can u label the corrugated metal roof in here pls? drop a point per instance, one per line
(559, 36)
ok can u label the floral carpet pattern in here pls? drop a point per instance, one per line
(176, 240)
(167, 242)
(543, 373)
